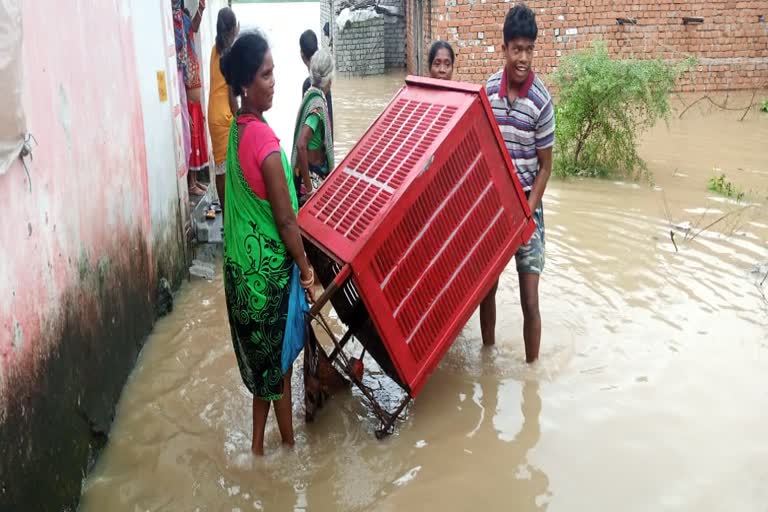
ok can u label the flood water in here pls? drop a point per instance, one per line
(651, 391)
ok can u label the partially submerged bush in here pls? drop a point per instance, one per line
(603, 106)
(723, 186)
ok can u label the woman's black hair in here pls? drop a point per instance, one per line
(308, 44)
(520, 22)
(240, 63)
(436, 47)
(225, 24)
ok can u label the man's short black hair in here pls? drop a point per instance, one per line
(308, 43)
(520, 22)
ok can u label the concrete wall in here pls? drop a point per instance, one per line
(368, 47)
(360, 49)
(83, 239)
(731, 44)
(394, 42)
(394, 34)
(326, 8)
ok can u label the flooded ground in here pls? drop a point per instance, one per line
(650, 394)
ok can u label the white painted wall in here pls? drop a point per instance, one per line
(151, 50)
(206, 39)
(152, 26)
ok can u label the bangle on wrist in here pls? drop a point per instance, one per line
(308, 282)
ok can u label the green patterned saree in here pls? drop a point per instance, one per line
(257, 270)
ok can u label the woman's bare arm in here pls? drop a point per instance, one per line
(282, 210)
(303, 157)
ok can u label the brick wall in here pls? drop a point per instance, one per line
(394, 34)
(731, 45)
(368, 47)
(360, 48)
(394, 42)
(326, 8)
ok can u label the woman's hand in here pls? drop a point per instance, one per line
(307, 195)
(309, 188)
(307, 277)
(307, 280)
(285, 218)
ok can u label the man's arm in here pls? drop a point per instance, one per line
(540, 183)
(545, 140)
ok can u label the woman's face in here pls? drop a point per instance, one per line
(442, 66)
(260, 92)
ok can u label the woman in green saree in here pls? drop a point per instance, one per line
(262, 240)
(312, 155)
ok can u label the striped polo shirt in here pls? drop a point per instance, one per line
(527, 124)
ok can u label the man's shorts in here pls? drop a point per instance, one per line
(530, 257)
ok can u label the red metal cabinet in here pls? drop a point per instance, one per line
(427, 210)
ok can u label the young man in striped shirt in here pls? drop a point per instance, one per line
(523, 109)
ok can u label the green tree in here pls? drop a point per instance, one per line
(603, 106)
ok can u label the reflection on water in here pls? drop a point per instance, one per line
(650, 394)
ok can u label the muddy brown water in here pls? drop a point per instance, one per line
(651, 391)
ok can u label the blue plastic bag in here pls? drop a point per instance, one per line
(295, 326)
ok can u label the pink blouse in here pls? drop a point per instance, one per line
(257, 142)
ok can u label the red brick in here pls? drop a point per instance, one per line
(730, 30)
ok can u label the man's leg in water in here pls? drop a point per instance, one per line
(529, 300)
(530, 263)
(488, 317)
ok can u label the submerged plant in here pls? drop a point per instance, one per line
(723, 186)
